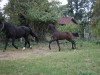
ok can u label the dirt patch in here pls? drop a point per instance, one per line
(37, 50)
(19, 54)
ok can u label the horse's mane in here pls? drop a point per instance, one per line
(10, 25)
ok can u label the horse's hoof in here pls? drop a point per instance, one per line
(49, 48)
(16, 47)
(3, 50)
(23, 48)
(59, 50)
(30, 47)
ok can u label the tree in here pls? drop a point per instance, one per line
(82, 10)
(63, 9)
(1, 20)
(14, 8)
(96, 18)
(1, 17)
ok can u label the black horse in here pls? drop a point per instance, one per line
(14, 32)
(57, 35)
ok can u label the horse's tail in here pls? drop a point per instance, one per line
(34, 35)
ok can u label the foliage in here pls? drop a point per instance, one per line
(81, 8)
(34, 10)
(43, 12)
(69, 28)
(38, 13)
(82, 11)
(1, 20)
(96, 18)
(96, 9)
(96, 29)
(64, 10)
(1, 17)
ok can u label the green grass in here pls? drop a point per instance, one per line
(83, 61)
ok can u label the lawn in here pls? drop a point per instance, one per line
(83, 61)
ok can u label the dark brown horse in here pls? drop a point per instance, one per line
(15, 32)
(57, 35)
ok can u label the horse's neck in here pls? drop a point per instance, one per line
(7, 26)
(54, 30)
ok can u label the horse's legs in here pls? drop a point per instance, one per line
(28, 42)
(13, 43)
(6, 43)
(50, 43)
(73, 44)
(25, 43)
(58, 44)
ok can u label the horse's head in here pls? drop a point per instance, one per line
(51, 26)
(1, 26)
(76, 34)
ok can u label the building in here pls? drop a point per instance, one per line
(65, 20)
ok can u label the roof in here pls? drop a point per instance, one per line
(65, 20)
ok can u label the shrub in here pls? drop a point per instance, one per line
(69, 28)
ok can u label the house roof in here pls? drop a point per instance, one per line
(65, 20)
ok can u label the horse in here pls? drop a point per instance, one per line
(57, 35)
(15, 32)
(75, 34)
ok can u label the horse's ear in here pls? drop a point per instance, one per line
(74, 21)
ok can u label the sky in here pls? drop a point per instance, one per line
(4, 2)
(63, 2)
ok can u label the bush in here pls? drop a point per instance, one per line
(69, 28)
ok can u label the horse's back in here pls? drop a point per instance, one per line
(16, 31)
(24, 28)
(62, 35)
(22, 31)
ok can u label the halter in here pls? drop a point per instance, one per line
(2, 27)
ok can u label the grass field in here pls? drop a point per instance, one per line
(41, 61)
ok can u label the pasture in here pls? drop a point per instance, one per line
(41, 61)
